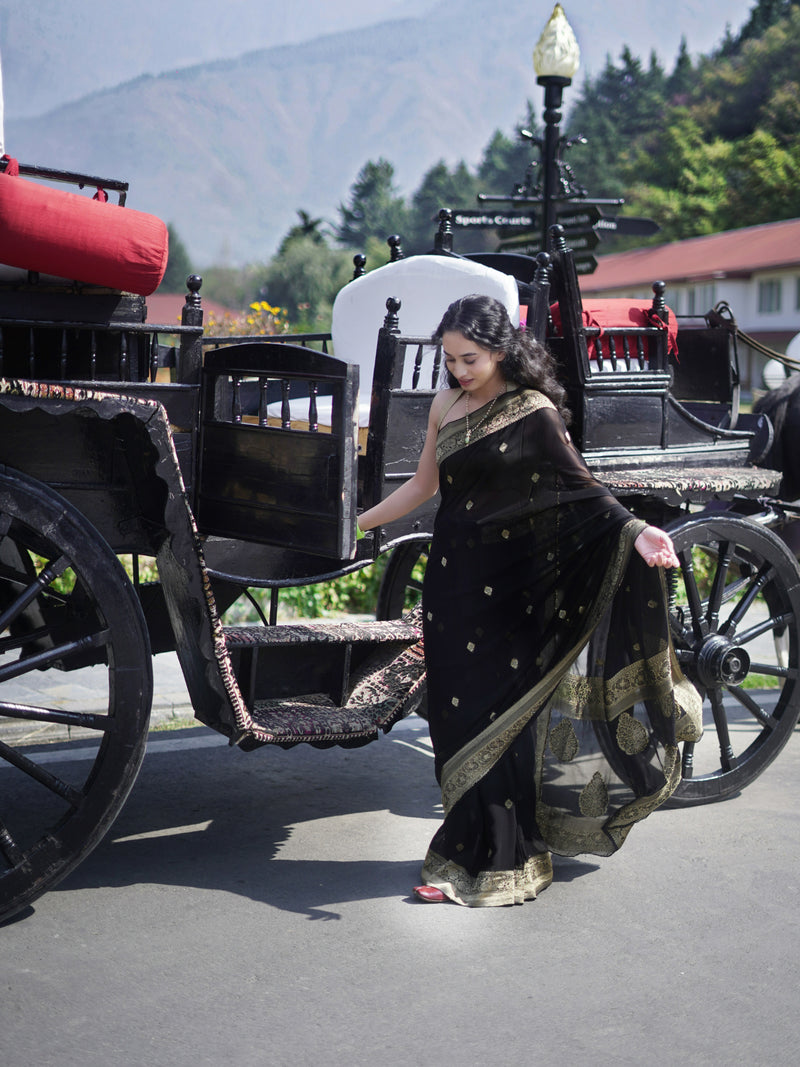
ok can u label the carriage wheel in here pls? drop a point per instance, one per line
(401, 588)
(735, 623)
(74, 653)
(401, 584)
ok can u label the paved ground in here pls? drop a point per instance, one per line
(254, 909)
(82, 690)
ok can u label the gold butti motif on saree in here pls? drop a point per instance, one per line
(593, 801)
(564, 741)
(632, 736)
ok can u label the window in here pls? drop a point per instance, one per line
(769, 296)
(700, 299)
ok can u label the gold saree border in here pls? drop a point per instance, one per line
(510, 408)
(573, 835)
(488, 889)
(464, 770)
(657, 679)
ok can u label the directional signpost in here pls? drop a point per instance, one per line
(512, 221)
(579, 221)
(584, 224)
(627, 225)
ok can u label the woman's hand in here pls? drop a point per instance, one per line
(656, 548)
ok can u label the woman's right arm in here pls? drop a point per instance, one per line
(419, 488)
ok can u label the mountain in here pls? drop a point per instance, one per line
(228, 151)
(45, 44)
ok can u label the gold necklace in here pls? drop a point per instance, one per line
(485, 415)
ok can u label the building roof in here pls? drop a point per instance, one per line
(165, 308)
(735, 253)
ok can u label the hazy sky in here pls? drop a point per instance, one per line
(55, 51)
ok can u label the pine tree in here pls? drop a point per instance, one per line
(375, 208)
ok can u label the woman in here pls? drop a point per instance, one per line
(554, 698)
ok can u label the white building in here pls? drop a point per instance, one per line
(755, 270)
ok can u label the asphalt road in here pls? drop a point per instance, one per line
(255, 909)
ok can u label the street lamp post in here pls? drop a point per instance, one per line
(550, 191)
(556, 58)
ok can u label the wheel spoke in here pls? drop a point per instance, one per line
(747, 701)
(48, 574)
(11, 644)
(763, 575)
(39, 774)
(728, 760)
(778, 622)
(13, 575)
(55, 716)
(718, 588)
(52, 655)
(773, 670)
(692, 593)
(687, 760)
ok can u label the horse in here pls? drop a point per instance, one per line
(782, 407)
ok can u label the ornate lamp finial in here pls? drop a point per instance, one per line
(557, 54)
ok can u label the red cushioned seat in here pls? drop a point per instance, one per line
(73, 236)
(620, 313)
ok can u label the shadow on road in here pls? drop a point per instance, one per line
(296, 830)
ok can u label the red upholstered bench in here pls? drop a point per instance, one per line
(77, 237)
(614, 318)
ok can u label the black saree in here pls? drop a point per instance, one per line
(555, 701)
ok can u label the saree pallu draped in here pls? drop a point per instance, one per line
(555, 701)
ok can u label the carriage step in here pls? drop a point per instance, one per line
(326, 683)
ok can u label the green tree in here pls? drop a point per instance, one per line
(763, 182)
(306, 227)
(375, 208)
(679, 178)
(621, 104)
(682, 79)
(764, 14)
(179, 266)
(304, 279)
(506, 160)
(439, 188)
(710, 147)
(735, 94)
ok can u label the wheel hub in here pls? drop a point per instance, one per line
(722, 662)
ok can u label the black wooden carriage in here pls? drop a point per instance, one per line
(241, 463)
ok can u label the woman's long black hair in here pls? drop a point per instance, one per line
(528, 363)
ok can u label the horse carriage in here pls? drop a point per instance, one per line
(240, 463)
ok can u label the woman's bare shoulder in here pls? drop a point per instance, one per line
(444, 398)
(443, 404)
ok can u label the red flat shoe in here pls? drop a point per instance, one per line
(430, 894)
